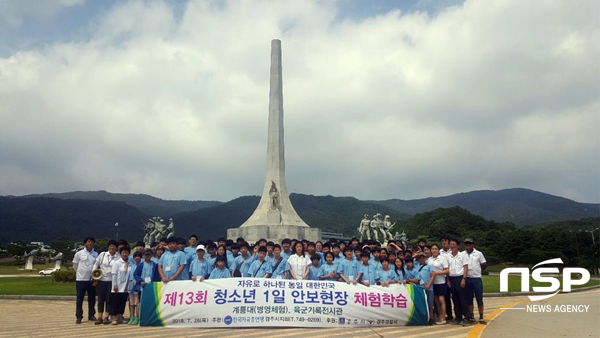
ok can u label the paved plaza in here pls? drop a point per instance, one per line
(56, 318)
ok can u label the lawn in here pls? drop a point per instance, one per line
(492, 283)
(8, 269)
(44, 285)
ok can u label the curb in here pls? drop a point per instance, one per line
(73, 298)
(516, 294)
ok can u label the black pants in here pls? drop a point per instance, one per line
(118, 300)
(459, 298)
(83, 287)
(448, 301)
(103, 293)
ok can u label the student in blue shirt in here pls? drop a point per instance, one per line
(314, 270)
(185, 274)
(242, 262)
(220, 271)
(260, 268)
(172, 263)
(386, 276)
(190, 251)
(328, 270)
(426, 282)
(412, 275)
(400, 270)
(348, 268)
(366, 272)
(278, 264)
(147, 271)
(199, 267)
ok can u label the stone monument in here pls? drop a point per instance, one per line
(275, 218)
(155, 229)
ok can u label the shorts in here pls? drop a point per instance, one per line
(439, 289)
(474, 286)
(134, 299)
(430, 297)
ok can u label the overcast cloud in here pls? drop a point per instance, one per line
(171, 99)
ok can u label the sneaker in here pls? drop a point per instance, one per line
(114, 322)
(466, 322)
(449, 318)
(106, 321)
(457, 322)
(78, 321)
(483, 322)
(430, 322)
(472, 320)
(441, 323)
(99, 321)
(92, 318)
(137, 321)
(131, 320)
(123, 321)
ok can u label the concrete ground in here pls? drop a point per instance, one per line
(519, 322)
(56, 318)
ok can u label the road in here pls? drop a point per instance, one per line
(519, 322)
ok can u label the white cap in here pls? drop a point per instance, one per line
(200, 247)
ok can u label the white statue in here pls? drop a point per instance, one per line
(170, 229)
(148, 230)
(363, 228)
(375, 227)
(387, 226)
(274, 194)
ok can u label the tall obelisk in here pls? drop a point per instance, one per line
(275, 217)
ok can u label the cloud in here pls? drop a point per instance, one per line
(401, 104)
(15, 13)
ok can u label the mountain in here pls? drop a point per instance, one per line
(519, 206)
(45, 219)
(331, 214)
(147, 204)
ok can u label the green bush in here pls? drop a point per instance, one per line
(64, 276)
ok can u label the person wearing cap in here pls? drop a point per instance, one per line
(199, 267)
(457, 279)
(426, 282)
(147, 271)
(220, 271)
(474, 285)
(260, 268)
(172, 263)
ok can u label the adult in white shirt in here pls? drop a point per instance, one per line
(83, 264)
(105, 261)
(298, 263)
(474, 286)
(457, 280)
(120, 276)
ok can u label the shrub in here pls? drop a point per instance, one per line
(64, 276)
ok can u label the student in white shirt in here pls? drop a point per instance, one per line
(298, 262)
(120, 276)
(83, 264)
(459, 268)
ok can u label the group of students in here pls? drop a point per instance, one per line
(448, 276)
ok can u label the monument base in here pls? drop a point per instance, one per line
(274, 233)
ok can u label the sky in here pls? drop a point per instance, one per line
(382, 99)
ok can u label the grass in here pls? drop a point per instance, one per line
(44, 285)
(492, 283)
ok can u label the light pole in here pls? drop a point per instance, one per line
(117, 226)
(592, 233)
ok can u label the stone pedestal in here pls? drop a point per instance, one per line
(274, 233)
(57, 264)
(29, 263)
